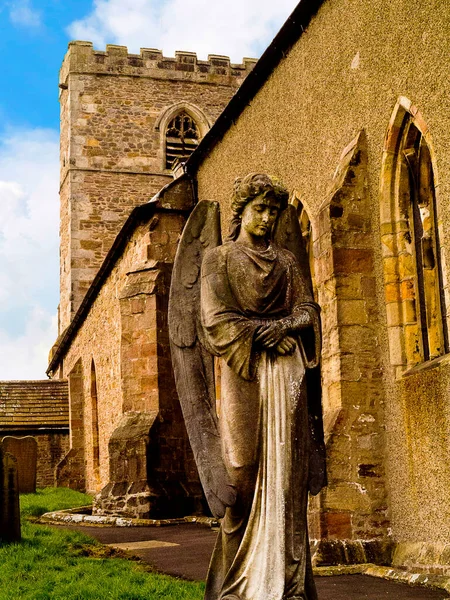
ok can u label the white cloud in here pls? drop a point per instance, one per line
(26, 356)
(236, 28)
(29, 219)
(22, 13)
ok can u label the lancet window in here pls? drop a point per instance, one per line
(417, 195)
(415, 280)
(95, 427)
(182, 138)
(306, 229)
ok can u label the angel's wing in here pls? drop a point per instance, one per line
(193, 364)
(288, 235)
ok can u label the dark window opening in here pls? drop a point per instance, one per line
(95, 427)
(420, 208)
(306, 230)
(182, 138)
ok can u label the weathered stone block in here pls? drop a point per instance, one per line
(392, 292)
(390, 268)
(351, 552)
(394, 314)
(336, 525)
(353, 260)
(70, 471)
(348, 287)
(352, 312)
(348, 496)
(407, 290)
(340, 470)
(329, 552)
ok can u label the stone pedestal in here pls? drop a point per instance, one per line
(136, 487)
(127, 494)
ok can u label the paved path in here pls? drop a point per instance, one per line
(184, 551)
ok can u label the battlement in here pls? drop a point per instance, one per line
(81, 58)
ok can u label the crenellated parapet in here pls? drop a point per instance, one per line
(81, 58)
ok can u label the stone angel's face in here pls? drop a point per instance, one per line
(259, 216)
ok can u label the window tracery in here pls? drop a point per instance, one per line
(182, 138)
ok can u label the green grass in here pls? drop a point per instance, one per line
(55, 563)
(50, 499)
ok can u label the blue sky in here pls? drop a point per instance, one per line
(32, 44)
(33, 41)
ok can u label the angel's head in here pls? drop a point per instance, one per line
(268, 190)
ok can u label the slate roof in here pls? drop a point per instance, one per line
(31, 405)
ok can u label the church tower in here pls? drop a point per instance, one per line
(127, 121)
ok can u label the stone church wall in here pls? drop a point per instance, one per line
(99, 340)
(51, 449)
(387, 426)
(128, 438)
(115, 108)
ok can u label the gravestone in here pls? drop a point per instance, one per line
(9, 498)
(24, 449)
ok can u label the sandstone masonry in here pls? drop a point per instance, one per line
(127, 435)
(115, 110)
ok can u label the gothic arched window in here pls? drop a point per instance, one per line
(414, 279)
(94, 421)
(306, 229)
(182, 138)
(418, 193)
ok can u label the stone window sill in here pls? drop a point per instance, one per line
(429, 364)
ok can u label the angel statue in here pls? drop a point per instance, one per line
(249, 302)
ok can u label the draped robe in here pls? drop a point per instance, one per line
(262, 552)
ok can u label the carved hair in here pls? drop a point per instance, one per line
(246, 189)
